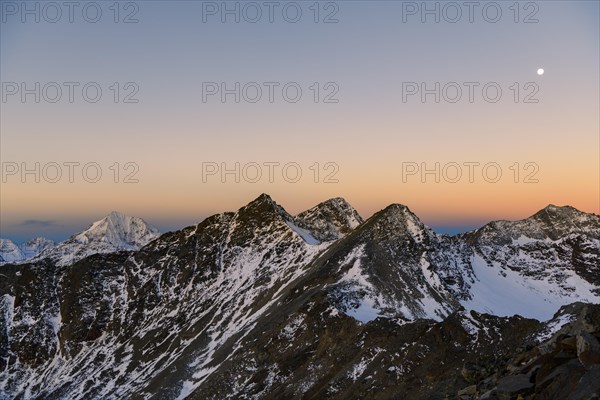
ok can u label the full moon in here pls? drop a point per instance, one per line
(540, 71)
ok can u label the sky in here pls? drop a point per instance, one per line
(175, 110)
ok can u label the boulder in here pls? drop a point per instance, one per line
(511, 386)
(489, 395)
(561, 382)
(588, 349)
(589, 358)
(587, 342)
(468, 391)
(569, 343)
(589, 386)
(472, 372)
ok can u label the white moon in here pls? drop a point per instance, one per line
(540, 71)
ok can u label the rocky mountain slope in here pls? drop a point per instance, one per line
(260, 304)
(537, 264)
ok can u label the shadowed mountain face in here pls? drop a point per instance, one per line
(262, 304)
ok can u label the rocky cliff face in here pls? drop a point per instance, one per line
(561, 360)
(261, 304)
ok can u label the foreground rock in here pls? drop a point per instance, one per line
(564, 365)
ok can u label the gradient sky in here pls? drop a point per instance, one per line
(368, 134)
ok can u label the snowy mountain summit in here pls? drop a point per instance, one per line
(259, 303)
(118, 231)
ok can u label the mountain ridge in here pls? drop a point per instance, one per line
(259, 303)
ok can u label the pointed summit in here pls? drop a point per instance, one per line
(120, 231)
(263, 199)
(260, 210)
(399, 221)
(387, 252)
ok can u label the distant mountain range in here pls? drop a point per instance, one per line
(115, 232)
(261, 304)
(11, 252)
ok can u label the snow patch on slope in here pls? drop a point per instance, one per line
(365, 302)
(504, 292)
(303, 233)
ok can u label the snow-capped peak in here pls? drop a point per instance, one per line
(115, 232)
(118, 230)
(400, 221)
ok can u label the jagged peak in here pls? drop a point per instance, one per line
(117, 228)
(264, 204)
(399, 211)
(263, 198)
